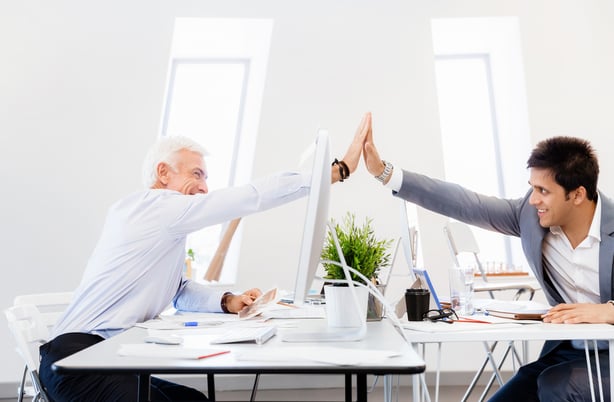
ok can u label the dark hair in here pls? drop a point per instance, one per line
(572, 161)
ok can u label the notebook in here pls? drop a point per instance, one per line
(517, 310)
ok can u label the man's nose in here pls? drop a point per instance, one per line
(533, 199)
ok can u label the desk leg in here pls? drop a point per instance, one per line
(348, 388)
(211, 387)
(361, 388)
(143, 391)
(388, 388)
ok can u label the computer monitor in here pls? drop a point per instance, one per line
(314, 229)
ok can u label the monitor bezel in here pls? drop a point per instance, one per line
(316, 218)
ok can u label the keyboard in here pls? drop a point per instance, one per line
(258, 335)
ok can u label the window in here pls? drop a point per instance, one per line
(484, 123)
(215, 82)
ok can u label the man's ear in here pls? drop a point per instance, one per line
(579, 195)
(162, 172)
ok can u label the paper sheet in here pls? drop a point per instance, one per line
(429, 326)
(324, 354)
(196, 320)
(167, 351)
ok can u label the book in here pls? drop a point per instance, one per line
(516, 315)
(517, 310)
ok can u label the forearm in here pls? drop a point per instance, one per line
(198, 298)
(457, 202)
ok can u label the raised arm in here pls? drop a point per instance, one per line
(352, 155)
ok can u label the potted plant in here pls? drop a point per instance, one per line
(362, 251)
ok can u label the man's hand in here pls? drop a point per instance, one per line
(580, 313)
(235, 303)
(373, 162)
(352, 156)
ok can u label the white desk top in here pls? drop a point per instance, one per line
(103, 357)
(442, 332)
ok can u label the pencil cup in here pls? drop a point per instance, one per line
(417, 303)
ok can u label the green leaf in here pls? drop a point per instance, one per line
(361, 249)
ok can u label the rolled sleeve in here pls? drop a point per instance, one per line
(196, 297)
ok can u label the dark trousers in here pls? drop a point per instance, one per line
(93, 387)
(560, 375)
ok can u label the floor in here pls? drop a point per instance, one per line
(447, 394)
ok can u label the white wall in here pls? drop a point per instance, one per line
(81, 88)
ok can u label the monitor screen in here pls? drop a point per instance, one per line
(314, 229)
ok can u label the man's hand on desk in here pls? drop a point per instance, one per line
(235, 303)
(581, 313)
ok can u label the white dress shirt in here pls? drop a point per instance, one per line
(135, 271)
(574, 272)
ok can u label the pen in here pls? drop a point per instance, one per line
(201, 323)
(214, 354)
(286, 304)
(472, 320)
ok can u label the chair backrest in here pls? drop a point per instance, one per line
(28, 330)
(30, 319)
(461, 240)
(49, 305)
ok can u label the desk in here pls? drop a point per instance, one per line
(103, 358)
(528, 332)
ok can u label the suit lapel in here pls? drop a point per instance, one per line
(606, 248)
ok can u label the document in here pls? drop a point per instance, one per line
(167, 351)
(267, 299)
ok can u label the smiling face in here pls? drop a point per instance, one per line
(554, 206)
(188, 173)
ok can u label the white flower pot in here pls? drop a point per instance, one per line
(341, 309)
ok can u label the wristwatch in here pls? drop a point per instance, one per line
(224, 302)
(387, 170)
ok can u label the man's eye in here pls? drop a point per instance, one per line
(197, 175)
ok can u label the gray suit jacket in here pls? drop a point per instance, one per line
(514, 217)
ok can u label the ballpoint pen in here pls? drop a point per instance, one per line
(213, 354)
(202, 323)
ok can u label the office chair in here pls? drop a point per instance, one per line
(462, 241)
(29, 320)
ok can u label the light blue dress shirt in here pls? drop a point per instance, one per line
(135, 271)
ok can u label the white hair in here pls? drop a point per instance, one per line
(165, 150)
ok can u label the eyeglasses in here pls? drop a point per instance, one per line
(445, 314)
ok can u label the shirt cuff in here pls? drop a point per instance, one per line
(396, 180)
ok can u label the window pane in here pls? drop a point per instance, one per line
(470, 155)
(205, 104)
(483, 113)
